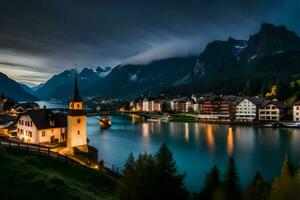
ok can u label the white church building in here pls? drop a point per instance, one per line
(44, 126)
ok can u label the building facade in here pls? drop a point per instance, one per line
(296, 112)
(247, 109)
(272, 111)
(77, 135)
(42, 127)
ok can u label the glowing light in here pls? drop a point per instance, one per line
(186, 132)
(230, 144)
(145, 130)
(197, 132)
(210, 138)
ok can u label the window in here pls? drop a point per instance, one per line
(52, 123)
(43, 133)
(78, 132)
(29, 133)
(78, 106)
(78, 121)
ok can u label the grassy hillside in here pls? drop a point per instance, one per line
(25, 176)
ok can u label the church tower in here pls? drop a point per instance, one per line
(77, 136)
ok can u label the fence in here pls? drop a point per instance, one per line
(43, 150)
(38, 149)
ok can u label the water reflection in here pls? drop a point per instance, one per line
(186, 132)
(197, 132)
(197, 147)
(145, 130)
(230, 141)
(210, 138)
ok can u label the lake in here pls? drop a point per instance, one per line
(197, 146)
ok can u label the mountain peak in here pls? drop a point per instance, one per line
(271, 29)
(269, 40)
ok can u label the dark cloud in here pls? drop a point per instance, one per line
(57, 34)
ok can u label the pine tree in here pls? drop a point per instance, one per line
(231, 182)
(127, 188)
(212, 185)
(171, 185)
(257, 190)
(151, 178)
(146, 177)
(282, 186)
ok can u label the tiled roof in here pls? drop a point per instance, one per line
(256, 101)
(297, 103)
(278, 104)
(41, 118)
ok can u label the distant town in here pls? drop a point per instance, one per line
(219, 108)
(205, 108)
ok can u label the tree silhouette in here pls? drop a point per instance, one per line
(231, 181)
(170, 183)
(151, 177)
(257, 190)
(212, 185)
(283, 187)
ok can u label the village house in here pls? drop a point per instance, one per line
(6, 124)
(42, 127)
(247, 109)
(211, 105)
(145, 105)
(181, 104)
(154, 105)
(197, 106)
(296, 112)
(136, 105)
(218, 108)
(272, 111)
(23, 107)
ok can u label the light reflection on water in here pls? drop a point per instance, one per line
(197, 147)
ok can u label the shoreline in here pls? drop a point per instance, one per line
(189, 118)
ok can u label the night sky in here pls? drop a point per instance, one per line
(44, 37)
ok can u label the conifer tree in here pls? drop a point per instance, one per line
(127, 188)
(146, 178)
(171, 185)
(282, 186)
(212, 185)
(231, 181)
(257, 190)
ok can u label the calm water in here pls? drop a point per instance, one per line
(197, 147)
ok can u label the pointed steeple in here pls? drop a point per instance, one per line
(76, 97)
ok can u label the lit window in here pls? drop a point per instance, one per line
(78, 121)
(78, 132)
(43, 133)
